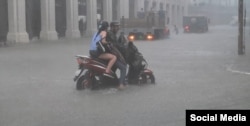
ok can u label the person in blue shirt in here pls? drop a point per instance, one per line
(101, 35)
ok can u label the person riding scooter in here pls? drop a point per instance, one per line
(128, 50)
(94, 52)
(133, 57)
(112, 38)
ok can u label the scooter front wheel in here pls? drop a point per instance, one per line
(144, 78)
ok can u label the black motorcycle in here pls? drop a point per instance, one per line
(138, 72)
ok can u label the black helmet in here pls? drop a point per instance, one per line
(103, 25)
(114, 23)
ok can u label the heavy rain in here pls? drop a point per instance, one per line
(197, 54)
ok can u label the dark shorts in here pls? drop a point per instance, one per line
(94, 53)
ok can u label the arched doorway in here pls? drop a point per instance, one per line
(115, 9)
(3, 20)
(178, 16)
(100, 9)
(173, 15)
(168, 13)
(162, 14)
(153, 8)
(82, 9)
(131, 8)
(146, 5)
(82, 12)
(33, 18)
(161, 6)
(60, 6)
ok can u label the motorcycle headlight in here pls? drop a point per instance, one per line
(131, 37)
(149, 37)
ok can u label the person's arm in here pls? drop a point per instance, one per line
(103, 35)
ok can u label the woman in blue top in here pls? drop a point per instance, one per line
(101, 35)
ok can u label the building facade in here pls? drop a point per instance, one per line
(174, 9)
(228, 3)
(219, 12)
(24, 20)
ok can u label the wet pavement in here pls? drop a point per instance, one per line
(193, 71)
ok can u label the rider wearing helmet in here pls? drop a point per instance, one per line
(119, 43)
(120, 63)
(114, 28)
(103, 25)
(101, 36)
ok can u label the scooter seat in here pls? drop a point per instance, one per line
(104, 62)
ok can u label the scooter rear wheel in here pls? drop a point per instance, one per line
(152, 78)
(83, 83)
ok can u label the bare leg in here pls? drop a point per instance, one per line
(111, 58)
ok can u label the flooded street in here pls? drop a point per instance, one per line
(193, 71)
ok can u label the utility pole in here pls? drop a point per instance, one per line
(241, 46)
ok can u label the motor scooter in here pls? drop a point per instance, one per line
(91, 71)
(91, 74)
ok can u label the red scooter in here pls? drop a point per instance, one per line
(91, 73)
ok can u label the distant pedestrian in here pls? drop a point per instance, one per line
(176, 30)
(81, 25)
(141, 14)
